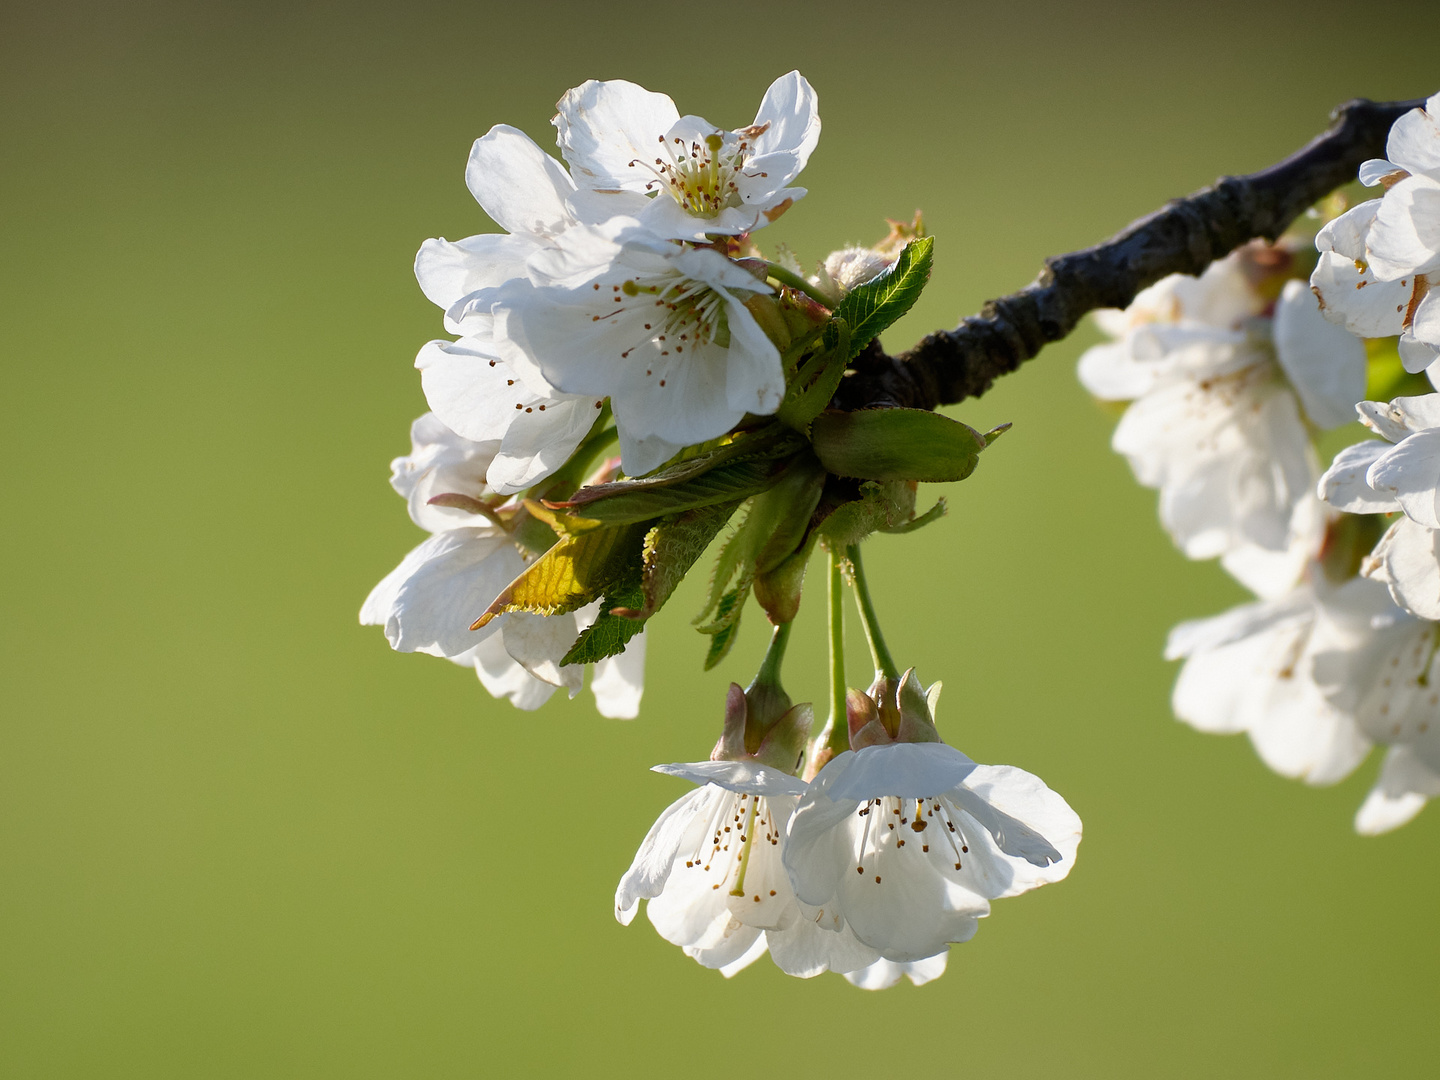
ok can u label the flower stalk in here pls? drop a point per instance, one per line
(879, 653)
(797, 282)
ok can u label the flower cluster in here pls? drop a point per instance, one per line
(625, 305)
(1231, 374)
(606, 293)
(872, 869)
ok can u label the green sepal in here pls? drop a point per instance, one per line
(778, 590)
(896, 444)
(816, 379)
(872, 306)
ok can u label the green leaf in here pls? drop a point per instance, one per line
(725, 484)
(672, 547)
(610, 633)
(727, 623)
(816, 379)
(896, 444)
(869, 308)
(572, 573)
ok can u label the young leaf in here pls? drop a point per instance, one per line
(725, 484)
(727, 624)
(571, 574)
(869, 308)
(610, 633)
(672, 547)
(896, 444)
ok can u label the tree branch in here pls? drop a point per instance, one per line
(1183, 237)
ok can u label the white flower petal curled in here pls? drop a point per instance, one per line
(1407, 559)
(912, 873)
(1345, 487)
(699, 179)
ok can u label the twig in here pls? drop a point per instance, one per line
(1184, 237)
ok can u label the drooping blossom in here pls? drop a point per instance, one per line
(1376, 477)
(1378, 261)
(428, 602)
(712, 870)
(660, 328)
(1217, 377)
(624, 141)
(905, 841)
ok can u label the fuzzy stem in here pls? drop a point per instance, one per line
(884, 663)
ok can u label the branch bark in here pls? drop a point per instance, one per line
(1184, 237)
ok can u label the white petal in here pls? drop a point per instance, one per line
(1028, 821)
(1113, 373)
(519, 185)
(450, 270)
(605, 126)
(619, 681)
(790, 112)
(884, 974)
(683, 819)
(1405, 239)
(905, 770)
(1344, 486)
(1406, 783)
(538, 642)
(429, 601)
(1414, 142)
(538, 443)
(1406, 560)
(1410, 474)
(639, 456)
(1240, 622)
(756, 950)
(1375, 170)
(805, 950)
(502, 676)
(1417, 355)
(740, 776)
(441, 462)
(1326, 363)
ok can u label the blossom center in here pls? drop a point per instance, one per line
(736, 825)
(907, 829)
(675, 312)
(700, 174)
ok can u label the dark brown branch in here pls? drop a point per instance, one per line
(1184, 237)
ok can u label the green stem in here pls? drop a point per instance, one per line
(837, 729)
(769, 673)
(795, 281)
(884, 663)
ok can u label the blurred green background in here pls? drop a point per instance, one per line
(241, 838)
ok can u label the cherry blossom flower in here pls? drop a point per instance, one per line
(1376, 477)
(1251, 670)
(906, 842)
(427, 603)
(1216, 422)
(711, 865)
(1378, 259)
(660, 328)
(625, 141)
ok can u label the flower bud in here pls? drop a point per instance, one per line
(762, 726)
(892, 711)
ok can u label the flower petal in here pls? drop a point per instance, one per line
(1405, 785)
(520, 186)
(619, 681)
(1344, 486)
(606, 127)
(1325, 362)
(884, 974)
(1406, 559)
(1405, 239)
(739, 776)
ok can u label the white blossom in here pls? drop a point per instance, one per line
(1251, 670)
(660, 328)
(1377, 259)
(905, 843)
(427, 603)
(1215, 423)
(1376, 477)
(711, 869)
(626, 142)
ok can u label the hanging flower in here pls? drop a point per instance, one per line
(712, 865)
(660, 328)
(1217, 378)
(1377, 261)
(905, 840)
(625, 141)
(428, 602)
